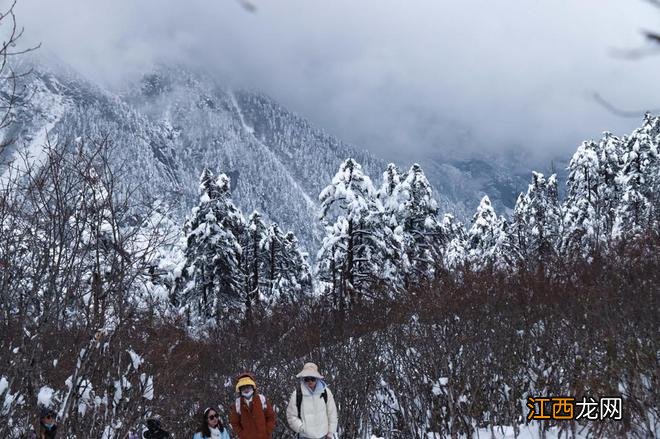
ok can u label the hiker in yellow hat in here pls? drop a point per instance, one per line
(252, 416)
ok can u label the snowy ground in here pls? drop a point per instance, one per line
(525, 432)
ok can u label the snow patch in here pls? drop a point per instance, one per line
(4, 385)
(136, 359)
(45, 396)
(33, 153)
(311, 205)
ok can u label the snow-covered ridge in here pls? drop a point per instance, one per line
(171, 124)
(47, 108)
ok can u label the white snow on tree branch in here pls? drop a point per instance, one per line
(136, 359)
(45, 396)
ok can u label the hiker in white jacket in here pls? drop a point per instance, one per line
(312, 412)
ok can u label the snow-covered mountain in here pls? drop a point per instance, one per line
(172, 123)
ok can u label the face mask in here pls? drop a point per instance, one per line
(49, 426)
(248, 394)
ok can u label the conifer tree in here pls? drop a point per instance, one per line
(418, 218)
(391, 199)
(583, 226)
(297, 277)
(537, 221)
(609, 190)
(391, 181)
(488, 240)
(353, 254)
(638, 180)
(254, 260)
(212, 277)
(455, 243)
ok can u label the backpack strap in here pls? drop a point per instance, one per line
(298, 400)
(324, 395)
(262, 398)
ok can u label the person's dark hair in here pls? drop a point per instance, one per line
(204, 427)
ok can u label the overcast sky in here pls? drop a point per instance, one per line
(396, 77)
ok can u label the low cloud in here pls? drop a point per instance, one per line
(402, 79)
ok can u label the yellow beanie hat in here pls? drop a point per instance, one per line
(245, 381)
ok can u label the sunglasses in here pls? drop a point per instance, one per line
(49, 416)
(309, 379)
(212, 417)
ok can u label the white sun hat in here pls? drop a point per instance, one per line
(310, 370)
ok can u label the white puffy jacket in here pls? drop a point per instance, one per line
(317, 419)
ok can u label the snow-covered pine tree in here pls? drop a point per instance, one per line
(488, 240)
(388, 190)
(583, 225)
(353, 256)
(273, 247)
(639, 182)
(391, 199)
(519, 228)
(330, 260)
(554, 214)
(298, 280)
(537, 221)
(212, 278)
(418, 218)
(609, 191)
(254, 260)
(285, 267)
(455, 247)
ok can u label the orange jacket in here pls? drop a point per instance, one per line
(254, 422)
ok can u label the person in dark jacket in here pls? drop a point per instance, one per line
(252, 416)
(154, 431)
(47, 424)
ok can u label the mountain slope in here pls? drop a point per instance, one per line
(168, 126)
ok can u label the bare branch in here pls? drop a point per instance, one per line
(10, 92)
(652, 36)
(618, 111)
(247, 5)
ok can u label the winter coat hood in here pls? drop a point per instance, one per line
(320, 387)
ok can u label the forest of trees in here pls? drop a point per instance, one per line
(382, 240)
(113, 312)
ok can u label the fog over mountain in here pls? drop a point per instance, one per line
(173, 122)
(404, 80)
